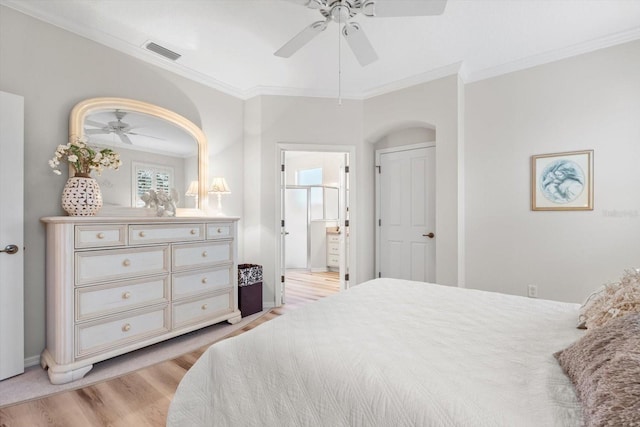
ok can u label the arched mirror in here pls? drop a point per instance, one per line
(159, 149)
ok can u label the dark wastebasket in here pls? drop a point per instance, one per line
(249, 289)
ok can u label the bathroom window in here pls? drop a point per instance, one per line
(309, 177)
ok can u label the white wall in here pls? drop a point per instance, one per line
(590, 101)
(435, 105)
(53, 70)
(406, 136)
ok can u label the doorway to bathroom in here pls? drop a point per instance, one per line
(315, 228)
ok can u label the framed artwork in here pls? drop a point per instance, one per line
(562, 181)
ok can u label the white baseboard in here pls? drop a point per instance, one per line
(267, 305)
(31, 361)
(319, 270)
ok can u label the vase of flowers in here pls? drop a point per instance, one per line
(81, 195)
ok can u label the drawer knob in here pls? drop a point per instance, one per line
(100, 235)
(219, 230)
(126, 295)
(126, 327)
(126, 263)
(193, 231)
(204, 254)
(204, 306)
(204, 280)
(141, 234)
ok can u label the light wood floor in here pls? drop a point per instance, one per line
(142, 398)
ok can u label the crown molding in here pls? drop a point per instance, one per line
(417, 79)
(554, 55)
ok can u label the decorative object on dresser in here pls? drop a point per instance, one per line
(116, 284)
(81, 195)
(219, 186)
(562, 181)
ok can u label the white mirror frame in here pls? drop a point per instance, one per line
(94, 105)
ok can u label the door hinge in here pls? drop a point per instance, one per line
(281, 168)
(346, 169)
(379, 169)
(346, 222)
(379, 274)
(281, 279)
(282, 223)
(379, 223)
(346, 277)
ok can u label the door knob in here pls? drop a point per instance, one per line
(10, 249)
(430, 235)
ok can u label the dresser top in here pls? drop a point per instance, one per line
(134, 219)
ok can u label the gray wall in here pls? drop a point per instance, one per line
(590, 101)
(53, 70)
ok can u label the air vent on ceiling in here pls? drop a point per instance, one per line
(160, 50)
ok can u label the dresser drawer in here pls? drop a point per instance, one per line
(100, 266)
(333, 261)
(140, 234)
(193, 283)
(95, 301)
(333, 249)
(95, 236)
(219, 230)
(201, 254)
(199, 310)
(333, 238)
(114, 332)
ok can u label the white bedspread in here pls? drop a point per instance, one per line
(391, 353)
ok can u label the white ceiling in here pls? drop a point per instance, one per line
(229, 44)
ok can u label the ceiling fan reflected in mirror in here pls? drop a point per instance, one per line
(342, 11)
(118, 127)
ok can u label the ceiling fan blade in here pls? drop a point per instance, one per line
(147, 136)
(301, 39)
(95, 124)
(393, 8)
(359, 43)
(124, 138)
(311, 4)
(96, 131)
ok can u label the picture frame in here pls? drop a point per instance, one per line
(562, 181)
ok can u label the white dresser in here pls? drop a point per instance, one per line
(118, 284)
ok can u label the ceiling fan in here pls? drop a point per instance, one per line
(117, 127)
(342, 11)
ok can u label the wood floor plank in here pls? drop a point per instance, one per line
(142, 398)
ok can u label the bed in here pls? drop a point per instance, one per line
(391, 352)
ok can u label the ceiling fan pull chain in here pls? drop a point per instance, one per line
(339, 62)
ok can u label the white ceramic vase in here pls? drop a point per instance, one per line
(81, 196)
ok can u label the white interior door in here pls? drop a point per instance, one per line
(296, 217)
(11, 235)
(406, 193)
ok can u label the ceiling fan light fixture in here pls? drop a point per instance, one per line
(368, 8)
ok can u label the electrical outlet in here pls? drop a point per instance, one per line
(532, 291)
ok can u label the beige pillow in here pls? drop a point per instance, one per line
(611, 301)
(604, 367)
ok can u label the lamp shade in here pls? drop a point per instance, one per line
(193, 189)
(219, 185)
